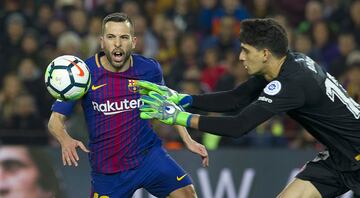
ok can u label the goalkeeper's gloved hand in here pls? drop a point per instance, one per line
(157, 107)
(184, 100)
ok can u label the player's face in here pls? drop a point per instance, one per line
(252, 59)
(117, 42)
(18, 173)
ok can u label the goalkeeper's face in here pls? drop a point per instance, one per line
(253, 59)
(117, 42)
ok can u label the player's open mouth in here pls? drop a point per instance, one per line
(118, 56)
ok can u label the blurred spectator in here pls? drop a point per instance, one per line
(91, 40)
(303, 43)
(227, 38)
(10, 90)
(27, 173)
(346, 44)
(146, 43)
(44, 16)
(232, 8)
(30, 47)
(70, 43)
(182, 15)
(334, 10)
(352, 79)
(212, 69)
(186, 61)
(325, 50)
(15, 28)
(107, 7)
(168, 50)
(78, 22)
(131, 8)
(353, 25)
(261, 8)
(313, 14)
(56, 28)
(235, 75)
(206, 16)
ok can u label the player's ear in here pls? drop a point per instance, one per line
(134, 40)
(101, 42)
(266, 55)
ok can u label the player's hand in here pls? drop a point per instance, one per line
(183, 100)
(199, 149)
(157, 107)
(68, 150)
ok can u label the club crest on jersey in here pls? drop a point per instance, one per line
(133, 86)
(272, 88)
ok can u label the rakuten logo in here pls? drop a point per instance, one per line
(111, 108)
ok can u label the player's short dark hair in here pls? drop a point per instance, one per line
(118, 17)
(264, 33)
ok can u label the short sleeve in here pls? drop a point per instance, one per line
(63, 107)
(281, 96)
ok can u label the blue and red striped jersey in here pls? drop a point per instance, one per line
(118, 138)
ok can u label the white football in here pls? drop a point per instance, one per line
(67, 77)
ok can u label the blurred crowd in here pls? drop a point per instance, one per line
(196, 42)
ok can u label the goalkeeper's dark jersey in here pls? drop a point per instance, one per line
(306, 93)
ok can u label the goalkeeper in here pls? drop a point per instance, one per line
(282, 82)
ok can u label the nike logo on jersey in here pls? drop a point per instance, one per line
(81, 72)
(93, 87)
(180, 178)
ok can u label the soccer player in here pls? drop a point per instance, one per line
(125, 153)
(282, 81)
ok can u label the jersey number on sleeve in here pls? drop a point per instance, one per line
(334, 88)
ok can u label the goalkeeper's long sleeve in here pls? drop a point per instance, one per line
(235, 126)
(232, 100)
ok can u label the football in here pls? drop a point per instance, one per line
(67, 77)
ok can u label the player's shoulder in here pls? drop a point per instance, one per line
(142, 60)
(93, 61)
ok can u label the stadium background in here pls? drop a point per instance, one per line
(196, 41)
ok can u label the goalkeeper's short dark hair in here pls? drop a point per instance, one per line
(264, 33)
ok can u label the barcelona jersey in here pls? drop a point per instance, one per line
(118, 138)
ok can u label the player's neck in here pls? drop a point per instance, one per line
(274, 68)
(107, 65)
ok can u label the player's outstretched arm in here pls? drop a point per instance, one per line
(193, 146)
(56, 127)
(183, 100)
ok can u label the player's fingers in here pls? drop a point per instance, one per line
(143, 91)
(157, 96)
(149, 100)
(83, 147)
(146, 115)
(146, 108)
(75, 155)
(205, 161)
(63, 159)
(67, 159)
(72, 157)
(148, 85)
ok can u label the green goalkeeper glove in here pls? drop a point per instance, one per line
(184, 100)
(157, 107)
